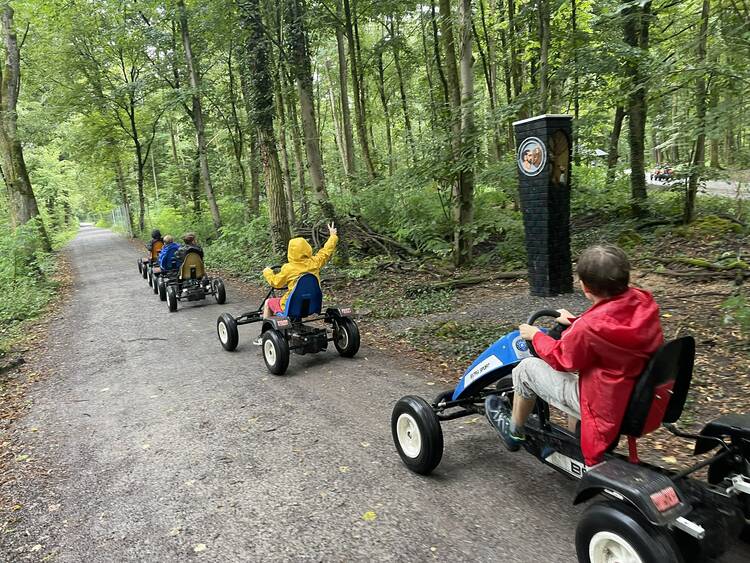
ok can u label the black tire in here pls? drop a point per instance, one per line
(140, 266)
(417, 434)
(444, 396)
(144, 271)
(220, 291)
(155, 283)
(611, 525)
(275, 351)
(226, 329)
(162, 289)
(171, 298)
(150, 277)
(346, 337)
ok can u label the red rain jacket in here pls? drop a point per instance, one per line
(609, 346)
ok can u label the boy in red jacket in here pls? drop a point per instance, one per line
(608, 346)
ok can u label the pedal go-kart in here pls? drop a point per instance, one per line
(153, 259)
(292, 331)
(647, 513)
(189, 282)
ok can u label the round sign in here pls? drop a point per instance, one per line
(532, 156)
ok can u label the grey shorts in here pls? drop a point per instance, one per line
(533, 378)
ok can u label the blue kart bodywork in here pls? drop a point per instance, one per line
(495, 362)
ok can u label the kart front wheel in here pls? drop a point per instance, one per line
(162, 290)
(614, 531)
(226, 328)
(155, 284)
(417, 434)
(144, 271)
(346, 337)
(220, 292)
(140, 266)
(171, 298)
(275, 351)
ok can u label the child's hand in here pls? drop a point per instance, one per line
(565, 317)
(528, 331)
(332, 229)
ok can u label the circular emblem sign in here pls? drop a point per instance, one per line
(532, 156)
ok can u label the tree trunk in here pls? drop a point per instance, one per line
(299, 161)
(260, 82)
(576, 100)
(614, 142)
(338, 132)
(635, 27)
(175, 157)
(359, 112)
(286, 173)
(253, 203)
(451, 71)
(515, 56)
(386, 112)
(197, 115)
(544, 39)
(402, 91)
(346, 116)
(23, 204)
(428, 67)
(463, 211)
(699, 152)
(120, 178)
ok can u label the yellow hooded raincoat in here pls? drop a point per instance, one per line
(301, 261)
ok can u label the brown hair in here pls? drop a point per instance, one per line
(189, 237)
(604, 269)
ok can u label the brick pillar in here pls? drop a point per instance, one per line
(544, 160)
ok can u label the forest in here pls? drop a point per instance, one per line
(252, 121)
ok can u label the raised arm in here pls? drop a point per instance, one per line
(325, 253)
(279, 280)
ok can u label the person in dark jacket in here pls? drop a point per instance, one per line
(191, 245)
(167, 256)
(155, 237)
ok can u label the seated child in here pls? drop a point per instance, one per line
(168, 254)
(155, 237)
(301, 261)
(191, 245)
(608, 346)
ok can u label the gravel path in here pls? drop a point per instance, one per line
(162, 447)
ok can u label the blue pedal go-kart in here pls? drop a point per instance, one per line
(292, 330)
(646, 513)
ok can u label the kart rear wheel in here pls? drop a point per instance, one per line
(226, 328)
(171, 298)
(613, 531)
(140, 266)
(275, 351)
(144, 271)
(162, 289)
(220, 291)
(417, 434)
(155, 283)
(346, 337)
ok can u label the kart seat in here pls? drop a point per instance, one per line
(192, 267)
(306, 298)
(660, 392)
(156, 249)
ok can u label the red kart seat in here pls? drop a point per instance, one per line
(660, 393)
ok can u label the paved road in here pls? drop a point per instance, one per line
(163, 447)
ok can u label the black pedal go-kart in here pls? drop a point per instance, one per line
(146, 262)
(293, 331)
(645, 513)
(189, 282)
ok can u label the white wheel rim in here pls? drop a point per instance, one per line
(223, 334)
(342, 337)
(608, 547)
(409, 436)
(269, 351)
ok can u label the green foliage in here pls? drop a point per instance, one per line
(390, 303)
(737, 313)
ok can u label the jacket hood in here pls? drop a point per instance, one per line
(629, 321)
(299, 249)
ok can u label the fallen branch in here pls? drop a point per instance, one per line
(467, 281)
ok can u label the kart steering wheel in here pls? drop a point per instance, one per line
(556, 331)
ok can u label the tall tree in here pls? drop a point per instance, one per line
(260, 81)
(346, 117)
(23, 205)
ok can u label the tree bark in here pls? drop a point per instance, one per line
(120, 178)
(576, 100)
(614, 142)
(299, 162)
(515, 57)
(260, 82)
(197, 115)
(402, 90)
(23, 204)
(386, 112)
(286, 173)
(635, 27)
(346, 116)
(463, 211)
(253, 202)
(451, 71)
(359, 111)
(699, 152)
(544, 39)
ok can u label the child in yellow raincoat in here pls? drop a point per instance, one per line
(301, 261)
